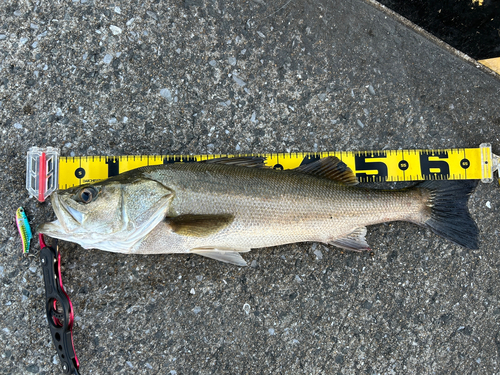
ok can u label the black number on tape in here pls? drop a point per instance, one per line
(434, 169)
(403, 165)
(113, 166)
(80, 173)
(364, 164)
(465, 163)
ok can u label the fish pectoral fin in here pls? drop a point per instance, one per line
(354, 241)
(241, 161)
(199, 225)
(228, 256)
(331, 168)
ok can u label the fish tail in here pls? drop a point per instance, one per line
(449, 216)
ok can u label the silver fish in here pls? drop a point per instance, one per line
(224, 207)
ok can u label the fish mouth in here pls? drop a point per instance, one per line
(75, 214)
(67, 218)
(51, 229)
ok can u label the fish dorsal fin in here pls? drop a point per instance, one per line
(231, 256)
(331, 168)
(199, 225)
(241, 161)
(355, 241)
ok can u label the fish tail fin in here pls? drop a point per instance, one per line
(450, 217)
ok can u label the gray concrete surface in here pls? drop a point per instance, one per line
(253, 76)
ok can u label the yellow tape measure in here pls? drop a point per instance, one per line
(369, 166)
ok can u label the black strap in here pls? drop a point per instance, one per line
(59, 310)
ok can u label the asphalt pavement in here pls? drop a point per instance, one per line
(209, 76)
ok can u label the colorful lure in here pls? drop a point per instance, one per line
(24, 229)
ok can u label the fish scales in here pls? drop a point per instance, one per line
(274, 207)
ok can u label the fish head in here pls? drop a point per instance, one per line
(111, 215)
(89, 209)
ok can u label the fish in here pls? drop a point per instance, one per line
(223, 207)
(24, 229)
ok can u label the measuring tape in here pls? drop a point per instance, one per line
(47, 171)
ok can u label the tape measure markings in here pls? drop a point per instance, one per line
(369, 166)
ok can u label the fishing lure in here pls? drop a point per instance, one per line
(24, 229)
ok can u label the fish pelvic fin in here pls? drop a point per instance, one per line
(230, 256)
(331, 168)
(199, 225)
(449, 214)
(354, 241)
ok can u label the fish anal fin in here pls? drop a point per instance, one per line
(354, 241)
(199, 225)
(223, 255)
(240, 161)
(331, 168)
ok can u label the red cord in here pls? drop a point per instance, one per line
(41, 240)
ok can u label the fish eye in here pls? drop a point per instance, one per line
(88, 194)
